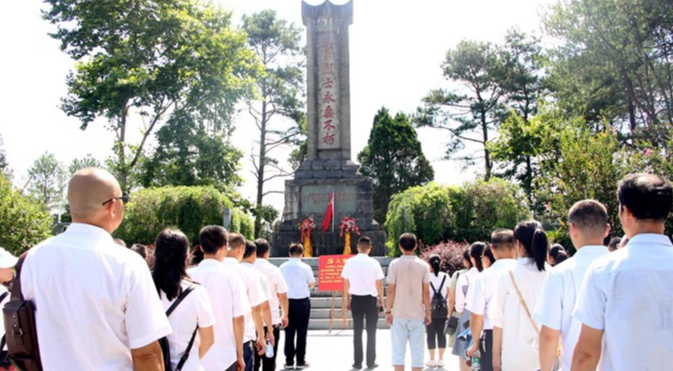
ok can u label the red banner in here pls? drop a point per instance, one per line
(329, 272)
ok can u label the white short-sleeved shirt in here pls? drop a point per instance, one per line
(277, 286)
(436, 281)
(557, 300)
(194, 310)
(4, 301)
(466, 279)
(362, 273)
(254, 290)
(94, 300)
(298, 276)
(628, 295)
(481, 292)
(520, 341)
(228, 300)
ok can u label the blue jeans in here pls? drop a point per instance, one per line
(413, 331)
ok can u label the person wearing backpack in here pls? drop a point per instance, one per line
(439, 310)
(187, 304)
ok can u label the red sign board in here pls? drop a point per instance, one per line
(329, 272)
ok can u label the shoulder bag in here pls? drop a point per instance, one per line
(532, 321)
(20, 329)
(163, 342)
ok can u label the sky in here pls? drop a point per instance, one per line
(396, 49)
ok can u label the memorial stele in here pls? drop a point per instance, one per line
(328, 168)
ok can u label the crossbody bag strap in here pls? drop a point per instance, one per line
(179, 299)
(185, 356)
(523, 303)
(17, 294)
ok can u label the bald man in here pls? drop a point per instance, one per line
(97, 307)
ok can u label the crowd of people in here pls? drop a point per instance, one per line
(519, 304)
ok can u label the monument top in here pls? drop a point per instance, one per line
(328, 80)
(327, 8)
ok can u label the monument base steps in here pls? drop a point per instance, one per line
(321, 301)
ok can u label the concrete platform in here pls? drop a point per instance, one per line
(334, 352)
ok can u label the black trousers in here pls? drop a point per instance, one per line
(248, 355)
(268, 364)
(487, 350)
(435, 332)
(298, 317)
(364, 307)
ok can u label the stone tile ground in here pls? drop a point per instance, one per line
(334, 352)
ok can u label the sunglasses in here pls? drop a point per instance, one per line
(125, 198)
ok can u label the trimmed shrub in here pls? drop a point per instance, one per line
(469, 213)
(187, 208)
(23, 222)
(450, 252)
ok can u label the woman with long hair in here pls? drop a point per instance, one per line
(467, 265)
(515, 333)
(439, 284)
(475, 252)
(193, 314)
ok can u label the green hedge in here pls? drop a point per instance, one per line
(23, 222)
(469, 213)
(187, 208)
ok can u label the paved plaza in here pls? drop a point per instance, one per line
(334, 352)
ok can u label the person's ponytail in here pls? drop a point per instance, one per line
(539, 248)
(435, 262)
(534, 240)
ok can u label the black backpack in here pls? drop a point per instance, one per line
(438, 307)
(163, 342)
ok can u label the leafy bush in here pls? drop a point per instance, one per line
(480, 207)
(23, 222)
(186, 208)
(425, 210)
(469, 213)
(450, 252)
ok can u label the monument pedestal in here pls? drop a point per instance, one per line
(309, 194)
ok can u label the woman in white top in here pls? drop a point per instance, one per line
(515, 333)
(193, 312)
(439, 282)
(464, 282)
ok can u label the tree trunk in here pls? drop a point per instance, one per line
(260, 172)
(123, 170)
(487, 155)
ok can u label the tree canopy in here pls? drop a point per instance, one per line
(277, 109)
(393, 160)
(146, 62)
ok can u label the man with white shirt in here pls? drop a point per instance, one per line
(588, 227)
(278, 299)
(625, 301)
(249, 258)
(480, 295)
(299, 278)
(229, 301)
(97, 306)
(363, 285)
(253, 340)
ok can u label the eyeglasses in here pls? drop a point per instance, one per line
(125, 198)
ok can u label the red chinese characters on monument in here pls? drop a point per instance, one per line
(328, 94)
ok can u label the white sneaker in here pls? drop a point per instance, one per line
(431, 363)
(440, 363)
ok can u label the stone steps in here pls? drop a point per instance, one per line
(321, 301)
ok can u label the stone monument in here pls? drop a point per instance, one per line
(328, 169)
